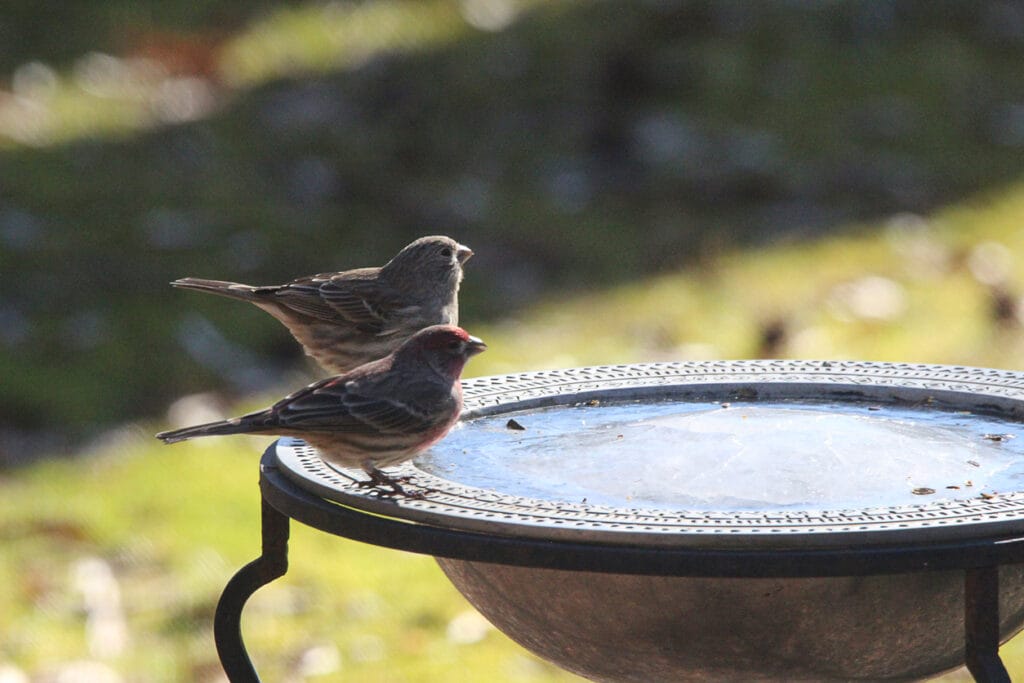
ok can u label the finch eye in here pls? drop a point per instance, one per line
(446, 252)
(454, 344)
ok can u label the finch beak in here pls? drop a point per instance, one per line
(474, 346)
(463, 253)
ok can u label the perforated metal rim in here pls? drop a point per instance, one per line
(454, 505)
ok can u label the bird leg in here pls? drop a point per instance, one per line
(378, 478)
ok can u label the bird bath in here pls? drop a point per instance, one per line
(716, 521)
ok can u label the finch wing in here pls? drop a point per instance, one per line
(390, 416)
(305, 299)
(337, 405)
(368, 304)
(302, 295)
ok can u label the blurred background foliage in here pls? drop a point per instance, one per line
(573, 145)
(640, 181)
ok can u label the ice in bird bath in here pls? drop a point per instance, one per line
(754, 456)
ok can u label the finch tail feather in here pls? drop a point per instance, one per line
(232, 290)
(209, 429)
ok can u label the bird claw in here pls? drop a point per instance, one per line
(378, 480)
(399, 491)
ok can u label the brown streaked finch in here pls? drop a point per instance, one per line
(380, 414)
(352, 317)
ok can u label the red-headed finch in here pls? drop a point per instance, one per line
(380, 414)
(349, 318)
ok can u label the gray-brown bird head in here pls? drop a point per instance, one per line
(434, 261)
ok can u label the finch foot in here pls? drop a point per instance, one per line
(379, 479)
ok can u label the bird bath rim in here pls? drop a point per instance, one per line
(449, 504)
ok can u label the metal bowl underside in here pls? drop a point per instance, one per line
(620, 628)
(614, 627)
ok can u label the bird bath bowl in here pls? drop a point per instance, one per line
(718, 521)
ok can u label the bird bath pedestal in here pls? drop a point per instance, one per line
(786, 520)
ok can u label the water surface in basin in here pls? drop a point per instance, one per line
(741, 456)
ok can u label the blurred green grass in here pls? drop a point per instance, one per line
(905, 289)
(174, 523)
(584, 145)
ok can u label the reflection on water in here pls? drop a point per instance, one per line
(703, 456)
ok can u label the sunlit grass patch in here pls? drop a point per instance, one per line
(172, 525)
(106, 95)
(915, 289)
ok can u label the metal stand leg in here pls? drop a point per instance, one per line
(981, 622)
(227, 626)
